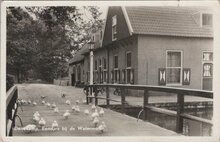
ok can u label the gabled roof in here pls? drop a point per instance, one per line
(171, 21)
(79, 55)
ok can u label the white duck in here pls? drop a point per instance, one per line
(101, 112)
(66, 114)
(48, 104)
(56, 110)
(86, 111)
(53, 105)
(29, 128)
(84, 101)
(43, 102)
(96, 121)
(77, 110)
(93, 107)
(77, 102)
(36, 114)
(73, 108)
(54, 124)
(68, 102)
(102, 127)
(34, 103)
(42, 122)
(95, 114)
(36, 118)
(29, 102)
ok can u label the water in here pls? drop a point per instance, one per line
(190, 128)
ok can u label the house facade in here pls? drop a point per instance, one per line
(167, 46)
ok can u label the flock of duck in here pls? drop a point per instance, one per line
(39, 121)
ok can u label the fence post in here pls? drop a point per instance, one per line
(95, 95)
(122, 100)
(107, 96)
(180, 110)
(146, 96)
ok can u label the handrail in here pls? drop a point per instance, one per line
(11, 109)
(180, 92)
(9, 95)
(186, 91)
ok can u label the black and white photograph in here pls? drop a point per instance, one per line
(101, 70)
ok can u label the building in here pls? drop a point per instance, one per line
(168, 46)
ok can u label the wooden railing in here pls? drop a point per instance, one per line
(179, 113)
(11, 109)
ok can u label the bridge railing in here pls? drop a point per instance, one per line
(11, 109)
(92, 92)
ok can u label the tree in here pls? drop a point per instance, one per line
(47, 37)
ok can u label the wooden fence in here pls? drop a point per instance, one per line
(179, 113)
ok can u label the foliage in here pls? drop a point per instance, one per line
(40, 40)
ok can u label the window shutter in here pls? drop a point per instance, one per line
(102, 76)
(112, 76)
(132, 76)
(119, 76)
(186, 76)
(162, 76)
(123, 75)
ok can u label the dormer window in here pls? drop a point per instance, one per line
(206, 19)
(114, 27)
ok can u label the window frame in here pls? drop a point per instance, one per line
(201, 19)
(114, 25)
(181, 68)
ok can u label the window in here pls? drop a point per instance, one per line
(207, 64)
(128, 57)
(104, 70)
(206, 19)
(173, 67)
(116, 61)
(128, 67)
(114, 27)
(96, 65)
(116, 70)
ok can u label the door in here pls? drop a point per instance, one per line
(73, 79)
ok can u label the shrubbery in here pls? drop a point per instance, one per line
(9, 81)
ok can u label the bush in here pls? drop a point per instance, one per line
(9, 81)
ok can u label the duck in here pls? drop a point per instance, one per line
(29, 128)
(34, 103)
(56, 110)
(93, 107)
(84, 101)
(68, 102)
(86, 111)
(95, 114)
(101, 112)
(63, 95)
(77, 102)
(73, 108)
(42, 122)
(102, 127)
(43, 97)
(43, 102)
(48, 104)
(95, 121)
(36, 118)
(53, 105)
(66, 114)
(36, 114)
(77, 110)
(54, 124)
(29, 101)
